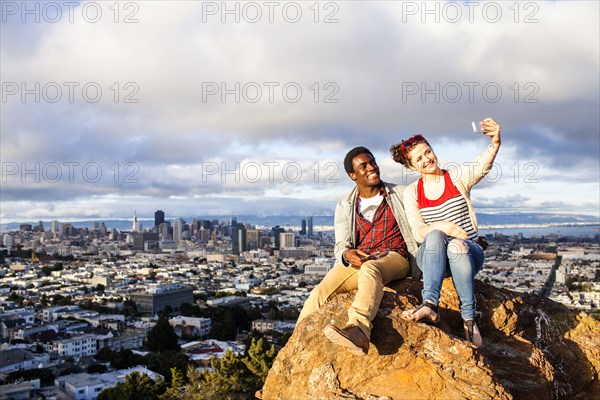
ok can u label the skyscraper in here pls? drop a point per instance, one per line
(238, 239)
(136, 226)
(159, 217)
(286, 240)
(54, 226)
(145, 240)
(163, 230)
(310, 226)
(276, 230)
(103, 230)
(8, 242)
(178, 229)
(252, 238)
(303, 230)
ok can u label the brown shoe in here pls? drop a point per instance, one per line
(350, 337)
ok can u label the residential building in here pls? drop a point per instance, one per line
(12, 360)
(20, 390)
(190, 326)
(89, 386)
(78, 346)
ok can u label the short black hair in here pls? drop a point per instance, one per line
(353, 153)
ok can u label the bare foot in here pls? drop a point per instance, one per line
(425, 311)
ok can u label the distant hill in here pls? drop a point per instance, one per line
(533, 218)
(327, 220)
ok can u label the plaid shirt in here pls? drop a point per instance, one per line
(383, 234)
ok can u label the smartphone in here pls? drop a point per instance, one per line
(378, 255)
(474, 126)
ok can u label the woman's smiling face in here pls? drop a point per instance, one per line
(423, 159)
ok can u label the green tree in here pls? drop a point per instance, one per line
(163, 362)
(226, 327)
(168, 310)
(136, 387)
(193, 389)
(45, 376)
(227, 381)
(162, 336)
(177, 382)
(120, 359)
(13, 296)
(96, 368)
(233, 376)
(177, 378)
(129, 308)
(104, 354)
(171, 394)
(259, 359)
(187, 310)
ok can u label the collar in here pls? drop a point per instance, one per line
(353, 195)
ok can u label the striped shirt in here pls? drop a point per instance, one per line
(451, 207)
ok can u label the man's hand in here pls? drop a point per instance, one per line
(355, 257)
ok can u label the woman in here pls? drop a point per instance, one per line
(442, 218)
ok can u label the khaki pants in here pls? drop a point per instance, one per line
(369, 279)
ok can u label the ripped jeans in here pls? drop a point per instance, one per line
(465, 260)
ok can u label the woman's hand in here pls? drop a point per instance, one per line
(450, 229)
(492, 129)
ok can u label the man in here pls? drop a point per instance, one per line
(374, 246)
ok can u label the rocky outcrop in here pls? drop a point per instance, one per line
(533, 349)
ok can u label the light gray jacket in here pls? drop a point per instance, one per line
(345, 226)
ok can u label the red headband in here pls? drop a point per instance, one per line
(418, 138)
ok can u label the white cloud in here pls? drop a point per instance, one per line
(367, 61)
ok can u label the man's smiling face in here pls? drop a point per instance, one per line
(366, 170)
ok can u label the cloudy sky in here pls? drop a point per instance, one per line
(215, 108)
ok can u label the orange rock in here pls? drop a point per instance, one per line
(532, 349)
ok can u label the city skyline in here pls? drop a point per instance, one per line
(250, 110)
